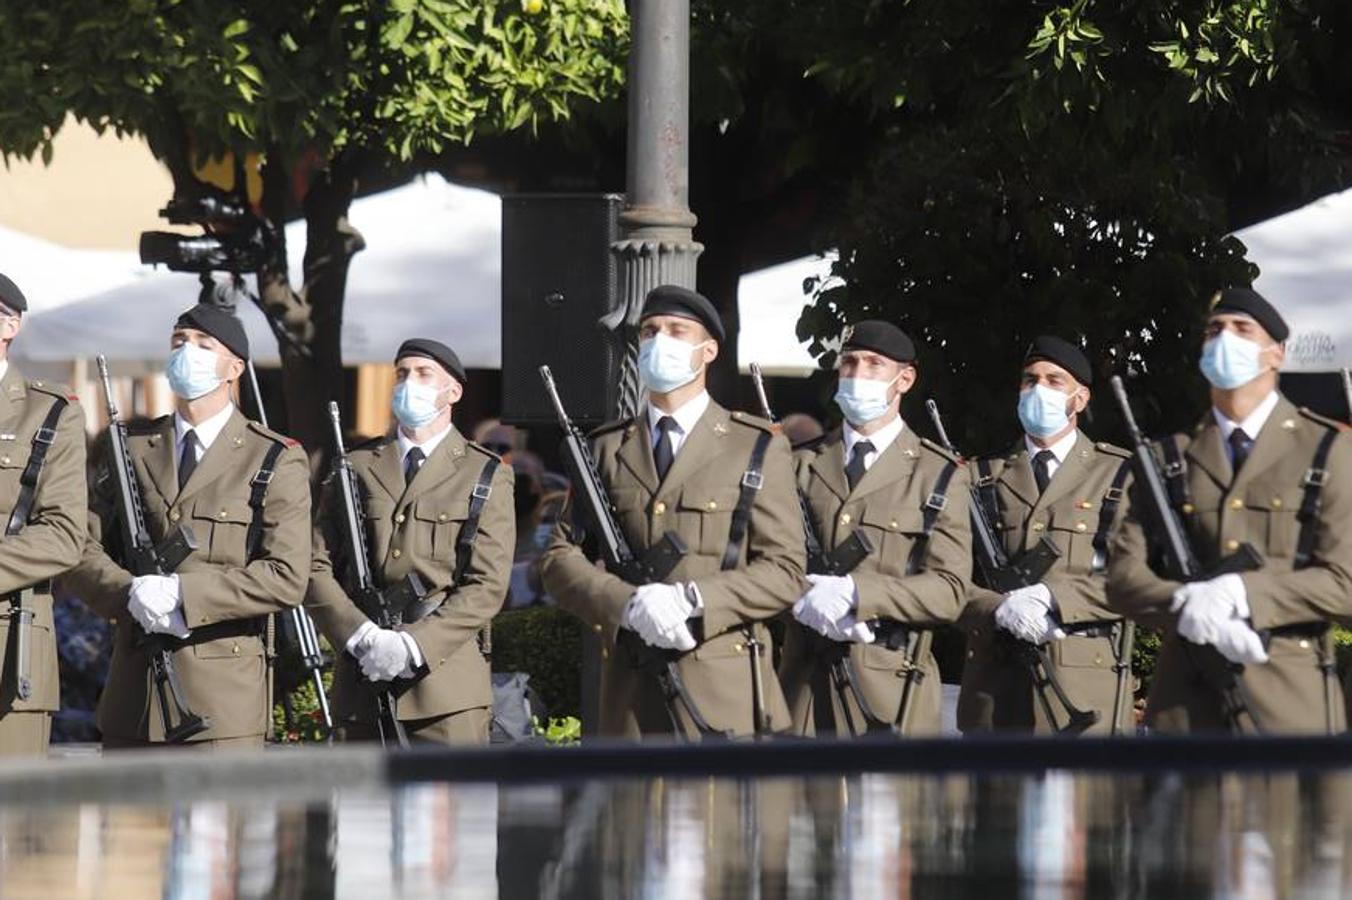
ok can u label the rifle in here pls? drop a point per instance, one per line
(386, 608)
(142, 556)
(846, 556)
(302, 627)
(1180, 563)
(1001, 574)
(656, 565)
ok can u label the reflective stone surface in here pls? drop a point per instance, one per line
(1053, 836)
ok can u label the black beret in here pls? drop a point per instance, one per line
(11, 296)
(1251, 303)
(1065, 354)
(435, 351)
(218, 323)
(672, 300)
(880, 337)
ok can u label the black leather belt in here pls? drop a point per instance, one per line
(204, 634)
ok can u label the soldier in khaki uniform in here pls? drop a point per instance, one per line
(680, 466)
(1245, 474)
(199, 466)
(419, 486)
(877, 475)
(1056, 483)
(42, 542)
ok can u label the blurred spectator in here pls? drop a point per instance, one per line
(799, 428)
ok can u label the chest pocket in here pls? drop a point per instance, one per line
(436, 524)
(221, 528)
(893, 528)
(13, 455)
(1073, 532)
(704, 517)
(1270, 518)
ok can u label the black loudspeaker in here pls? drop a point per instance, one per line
(558, 278)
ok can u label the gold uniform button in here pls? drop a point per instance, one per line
(1304, 644)
(713, 504)
(1232, 545)
(892, 524)
(659, 508)
(737, 648)
(844, 518)
(1080, 526)
(4, 460)
(222, 514)
(596, 628)
(605, 654)
(399, 519)
(1276, 502)
(1038, 526)
(441, 517)
(173, 515)
(235, 649)
(396, 553)
(1236, 503)
(1189, 509)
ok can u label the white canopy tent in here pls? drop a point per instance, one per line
(1305, 263)
(431, 267)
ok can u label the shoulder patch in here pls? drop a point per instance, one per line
(1325, 421)
(753, 421)
(940, 449)
(1112, 450)
(608, 427)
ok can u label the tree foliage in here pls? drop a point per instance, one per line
(1069, 167)
(323, 92)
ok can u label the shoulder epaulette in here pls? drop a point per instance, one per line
(141, 426)
(940, 449)
(1112, 450)
(273, 435)
(608, 427)
(54, 389)
(1321, 420)
(474, 445)
(753, 421)
(370, 443)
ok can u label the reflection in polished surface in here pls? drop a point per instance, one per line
(1053, 836)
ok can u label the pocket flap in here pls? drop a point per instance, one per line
(708, 500)
(223, 511)
(889, 518)
(441, 511)
(1272, 498)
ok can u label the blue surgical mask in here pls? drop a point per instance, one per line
(664, 363)
(191, 371)
(863, 399)
(1230, 361)
(1042, 411)
(415, 404)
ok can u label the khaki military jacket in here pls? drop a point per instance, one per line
(52, 540)
(888, 503)
(226, 596)
(997, 690)
(1259, 505)
(696, 500)
(415, 527)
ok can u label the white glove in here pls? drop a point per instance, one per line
(1204, 606)
(658, 614)
(360, 641)
(1239, 643)
(155, 602)
(854, 631)
(1027, 614)
(389, 655)
(829, 601)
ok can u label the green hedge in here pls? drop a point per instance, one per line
(545, 643)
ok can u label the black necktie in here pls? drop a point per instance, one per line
(1240, 445)
(412, 463)
(663, 454)
(1041, 473)
(187, 460)
(854, 469)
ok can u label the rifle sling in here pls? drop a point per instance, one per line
(752, 479)
(43, 439)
